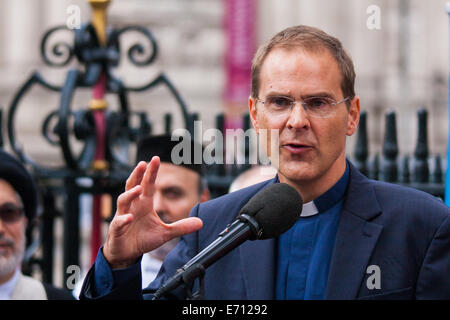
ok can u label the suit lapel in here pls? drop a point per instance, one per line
(355, 239)
(258, 265)
(353, 248)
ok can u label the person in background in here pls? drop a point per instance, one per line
(18, 206)
(177, 190)
(251, 176)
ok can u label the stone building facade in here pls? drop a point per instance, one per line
(401, 62)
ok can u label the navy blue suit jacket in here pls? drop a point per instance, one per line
(403, 232)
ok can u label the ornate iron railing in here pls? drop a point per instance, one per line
(105, 135)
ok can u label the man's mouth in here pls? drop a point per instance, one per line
(5, 248)
(6, 243)
(297, 148)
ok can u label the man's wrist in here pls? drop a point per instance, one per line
(118, 264)
(122, 265)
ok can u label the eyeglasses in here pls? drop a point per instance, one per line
(10, 213)
(316, 107)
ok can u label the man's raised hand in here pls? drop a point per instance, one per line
(136, 227)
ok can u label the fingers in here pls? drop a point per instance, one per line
(185, 226)
(136, 176)
(148, 181)
(120, 222)
(125, 199)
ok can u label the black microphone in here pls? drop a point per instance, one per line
(268, 214)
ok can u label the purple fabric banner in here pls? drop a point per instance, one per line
(239, 25)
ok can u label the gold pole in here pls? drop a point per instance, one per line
(98, 102)
(99, 18)
(99, 21)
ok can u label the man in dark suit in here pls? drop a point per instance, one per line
(356, 238)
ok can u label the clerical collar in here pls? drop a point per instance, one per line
(328, 199)
(309, 209)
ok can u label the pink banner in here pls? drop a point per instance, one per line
(240, 47)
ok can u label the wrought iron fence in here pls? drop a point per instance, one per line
(418, 170)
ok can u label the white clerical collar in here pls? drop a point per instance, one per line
(309, 209)
(7, 288)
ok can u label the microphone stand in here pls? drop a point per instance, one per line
(195, 271)
(200, 293)
(234, 234)
(188, 278)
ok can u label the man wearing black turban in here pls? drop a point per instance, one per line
(18, 206)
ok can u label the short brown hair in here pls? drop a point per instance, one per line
(310, 39)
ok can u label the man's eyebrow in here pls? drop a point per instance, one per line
(172, 188)
(10, 203)
(322, 94)
(277, 94)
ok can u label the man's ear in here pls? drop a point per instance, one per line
(26, 224)
(353, 116)
(205, 196)
(253, 113)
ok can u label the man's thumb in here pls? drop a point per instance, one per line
(185, 226)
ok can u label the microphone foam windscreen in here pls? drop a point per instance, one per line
(275, 208)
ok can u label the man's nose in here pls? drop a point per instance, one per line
(159, 204)
(298, 118)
